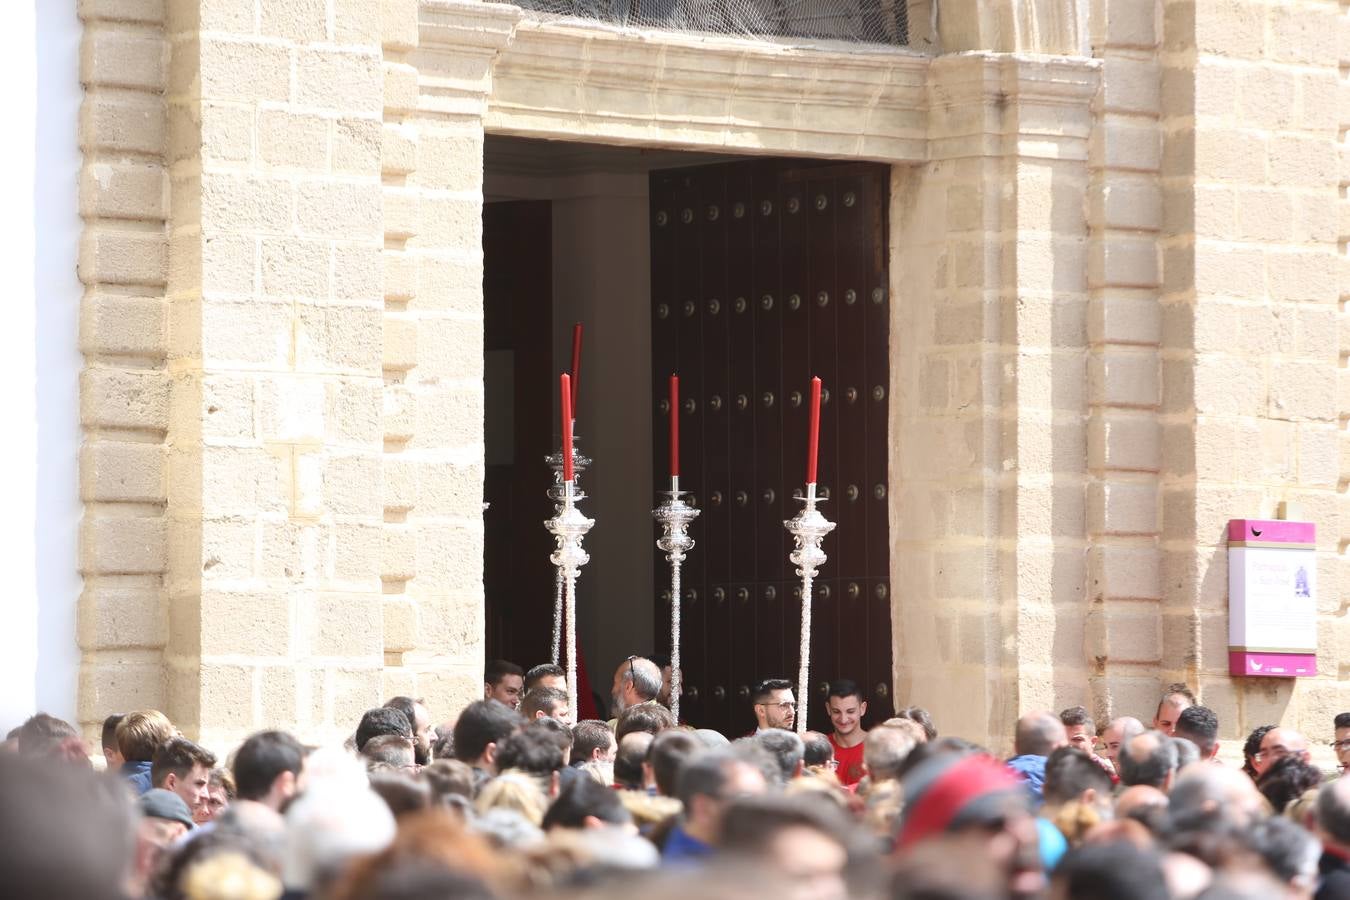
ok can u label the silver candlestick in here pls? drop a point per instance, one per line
(568, 527)
(674, 516)
(555, 493)
(808, 529)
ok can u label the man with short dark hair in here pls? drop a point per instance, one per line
(652, 718)
(1081, 731)
(391, 751)
(1072, 775)
(1175, 698)
(1037, 735)
(546, 675)
(503, 681)
(636, 680)
(704, 785)
(1342, 741)
(532, 750)
(592, 741)
(546, 703)
(480, 729)
(787, 750)
(819, 752)
(1200, 726)
(628, 759)
(585, 803)
(111, 755)
(797, 838)
(44, 736)
(668, 753)
(182, 767)
(419, 718)
(382, 720)
(773, 704)
(1333, 827)
(267, 768)
(846, 707)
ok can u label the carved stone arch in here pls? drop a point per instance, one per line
(1013, 26)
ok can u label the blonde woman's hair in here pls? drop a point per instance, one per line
(515, 790)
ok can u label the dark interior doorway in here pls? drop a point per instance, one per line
(764, 273)
(518, 371)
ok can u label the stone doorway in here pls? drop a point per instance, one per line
(596, 266)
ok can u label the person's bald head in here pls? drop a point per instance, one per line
(1137, 797)
(1149, 758)
(1176, 699)
(1202, 790)
(1276, 745)
(1039, 734)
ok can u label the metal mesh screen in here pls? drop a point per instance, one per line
(857, 21)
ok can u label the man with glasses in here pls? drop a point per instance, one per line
(1276, 745)
(637, 680)
(774, 705)
(1342, 743)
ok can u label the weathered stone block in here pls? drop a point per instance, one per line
(400, 624)
(113, 617)
(121, 471)
(292, 140)
(122, 545)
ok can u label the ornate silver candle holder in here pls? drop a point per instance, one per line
(555, 493)
(674, 516)
(568, 527)
(808, 528)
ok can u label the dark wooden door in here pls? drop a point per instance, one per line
(765, 273)
(518, 412)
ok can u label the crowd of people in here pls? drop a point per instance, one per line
(512, 798)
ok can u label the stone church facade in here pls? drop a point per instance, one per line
(1117, 252)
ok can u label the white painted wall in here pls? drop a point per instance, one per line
(40, 361)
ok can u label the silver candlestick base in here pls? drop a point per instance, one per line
(808, 528)
(568, 528)
(674, 516)
(554, 460)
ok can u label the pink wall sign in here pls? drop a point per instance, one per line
(1272, 598)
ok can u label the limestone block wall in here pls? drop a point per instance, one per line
(124, 389)
(275, 490)
(1251, 357)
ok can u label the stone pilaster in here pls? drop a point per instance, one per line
(1127, 626)
(988, 359)
(124, 388)
(437, 65)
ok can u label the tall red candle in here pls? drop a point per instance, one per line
(576, 363)
(814, 438)
(566, 391)
(674, 426)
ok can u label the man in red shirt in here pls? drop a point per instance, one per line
(846, 707)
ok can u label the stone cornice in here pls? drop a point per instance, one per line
(977, 102)
(680, 89)
(457, 42)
